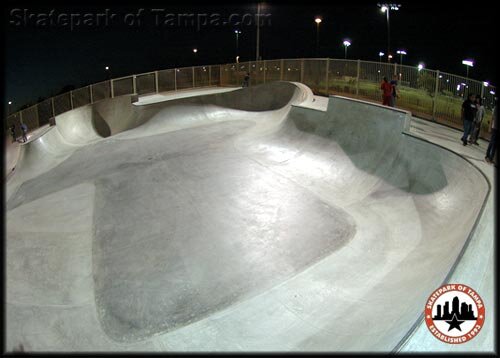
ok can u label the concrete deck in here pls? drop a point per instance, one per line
(259, 219)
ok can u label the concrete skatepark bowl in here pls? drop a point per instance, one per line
(246, 220)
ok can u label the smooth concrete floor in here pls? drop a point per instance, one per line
(220, 223)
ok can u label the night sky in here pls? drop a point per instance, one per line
(41, 59)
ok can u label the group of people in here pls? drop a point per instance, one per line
(24, 129)
(389, 91)
(472, 117)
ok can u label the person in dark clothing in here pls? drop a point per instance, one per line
(246, 81)
(394, 84)
(468, 116)
(13, 132)
(490, 152)
(476, 126)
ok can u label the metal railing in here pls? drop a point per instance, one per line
(429, 94)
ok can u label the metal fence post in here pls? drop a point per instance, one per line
(482, 91)
(157, 87)
(302, 71)
(91, 94)
(192, 71)
(134, 81)
(327, 71)
(71, 99)
(282, 64)
(434, 99)
(210, 76)
(175, 79)
(265, 68)
(357, 77)
(112, 85)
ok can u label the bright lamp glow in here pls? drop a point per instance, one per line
(420, 66)
(468, 63)
(10, 102)
(386, 7)
(195, 50)
(347, 43)
(106, 68)
(381, 54)
(486, 84)
(317, 20)
(401, 52)
(492, 92)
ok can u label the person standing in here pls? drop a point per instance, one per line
(492, 147)
(24, 128)
(246, 80)
(386, 88)
(477, 121)
(13, 132)
(394, 84)
(468, 115)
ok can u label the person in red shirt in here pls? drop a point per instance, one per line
(386, 88)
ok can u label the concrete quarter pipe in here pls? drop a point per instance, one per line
(235, 221)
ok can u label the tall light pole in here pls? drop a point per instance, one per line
(10, 107)
(195, 51)
(237, 33)
(385, 7)
(401, 53)
(346, 43)
(317, 20)
(468, 63)
(108, 72)
(380, 54)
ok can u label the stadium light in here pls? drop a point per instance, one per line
(386, 8)
(317, 20)
(346, 43)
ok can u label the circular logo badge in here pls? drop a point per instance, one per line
(454, 313)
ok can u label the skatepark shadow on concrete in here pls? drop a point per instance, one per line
(374, 140)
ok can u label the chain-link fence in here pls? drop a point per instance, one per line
(429, 94)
